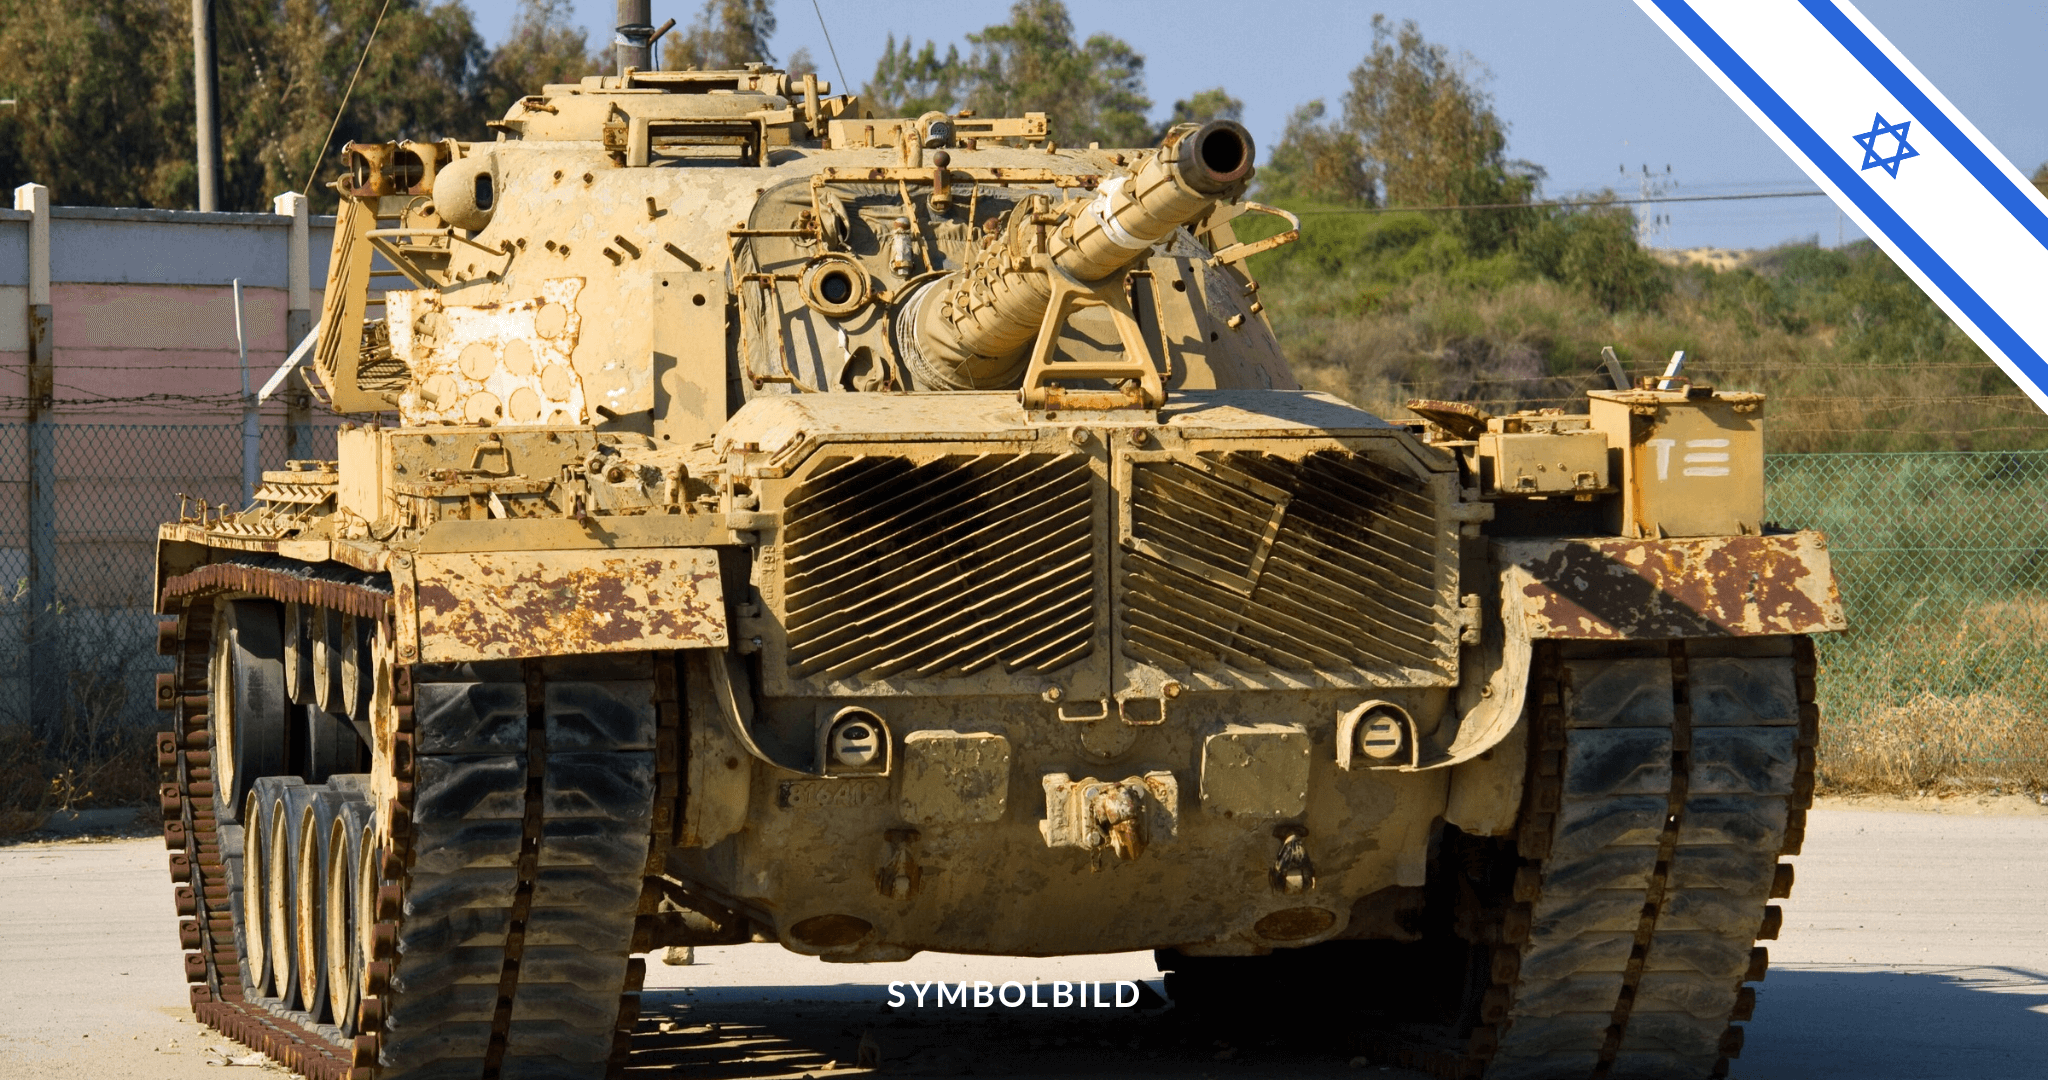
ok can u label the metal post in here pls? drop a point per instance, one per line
(298, 321)
(634, 36)
(252, 434)
(206, 104)
(39, 630)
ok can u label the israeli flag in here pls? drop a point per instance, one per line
(1894, 154)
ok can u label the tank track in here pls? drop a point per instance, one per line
(1663, 786)
(516, 878)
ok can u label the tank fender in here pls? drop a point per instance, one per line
(1619, 589)
(718, 776)
(460, 606)
(1624, 589)
(1489, 700)
(733, 696)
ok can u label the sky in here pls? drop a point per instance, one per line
(1592, 91)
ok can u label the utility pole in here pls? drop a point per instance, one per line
(634, 37)
(40, 627)
(206, 104)
(298, 321)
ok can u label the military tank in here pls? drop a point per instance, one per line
(762, 521)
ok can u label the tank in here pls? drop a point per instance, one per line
(761, 521)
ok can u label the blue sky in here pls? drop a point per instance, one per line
(1589, 87)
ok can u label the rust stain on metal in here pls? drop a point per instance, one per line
(513, 604)
(362, 601)
(1725, 586)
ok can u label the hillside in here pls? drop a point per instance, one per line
(1510, 309)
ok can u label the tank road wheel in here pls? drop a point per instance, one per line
(247, 696)
(1610, 937)
(485, 927)
(332, 730)
(326, 745)
(298, 654)
(281, 859)
(313, 895)
(349, 911)
(252, 930)
(357, 664)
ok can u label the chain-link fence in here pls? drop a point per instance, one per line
(1943, 564)
(77, 658)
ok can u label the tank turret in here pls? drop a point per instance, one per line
(972, 326)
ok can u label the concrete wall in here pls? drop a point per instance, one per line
(147, 384)
(143, 313)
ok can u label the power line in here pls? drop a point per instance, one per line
(844, 86)
(1567, 202)
(343, 107)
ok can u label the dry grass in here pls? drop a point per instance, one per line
(1977, 742)
(96, 748)
(1537, 344)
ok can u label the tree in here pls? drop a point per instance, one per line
(1594, 248)
(725, 34)
(546, 46)
(1318, 160)
(911, 82)
(1214, 103)
(1093, 92)
(106, 91)
(1430, 133)
(285, 66)
(103, 98)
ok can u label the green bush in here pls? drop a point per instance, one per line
(1385, 306)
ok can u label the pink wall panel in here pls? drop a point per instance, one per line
(118, 346)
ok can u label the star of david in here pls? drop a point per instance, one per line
(1878, 129)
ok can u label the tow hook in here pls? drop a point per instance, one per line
(1115, 809)
(1294, 873)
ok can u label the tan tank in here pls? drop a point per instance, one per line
(770, 522)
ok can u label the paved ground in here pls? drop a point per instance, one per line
(1916, 946)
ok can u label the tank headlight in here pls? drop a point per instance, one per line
(857, 741)
(1376, 734)
(1382, 736)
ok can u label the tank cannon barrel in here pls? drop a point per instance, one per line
(970, 329)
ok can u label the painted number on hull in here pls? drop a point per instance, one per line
(837, 794)
(1703, 457)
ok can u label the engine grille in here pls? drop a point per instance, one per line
(1251, 561)
(940, 568)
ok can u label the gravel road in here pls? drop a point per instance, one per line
(1915, 946)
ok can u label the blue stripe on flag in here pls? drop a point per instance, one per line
(1880, 213)
(1931, 118)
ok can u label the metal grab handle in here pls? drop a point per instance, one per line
(1123, 711)
(1242, 251)
(1102, 713)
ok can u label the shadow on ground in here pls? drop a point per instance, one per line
(1872, 1022)
(1812, 1023)
(756, 1033)
(123, 823)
